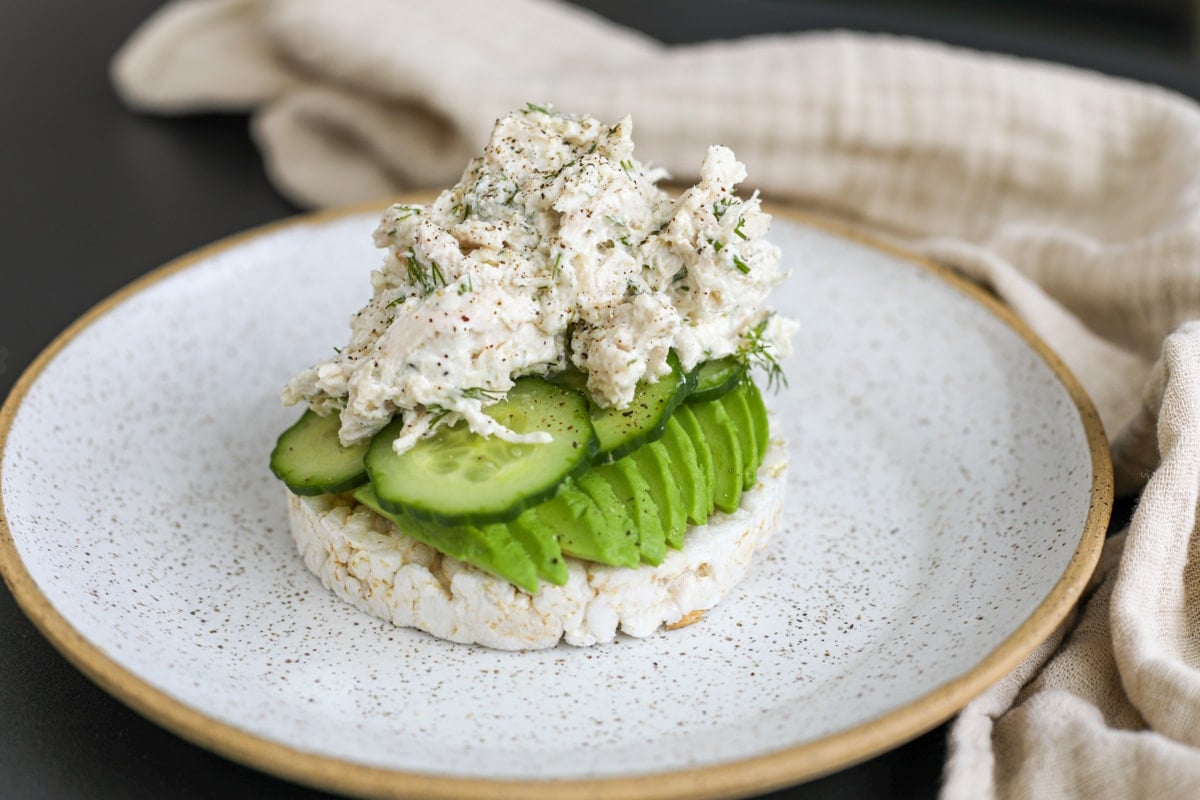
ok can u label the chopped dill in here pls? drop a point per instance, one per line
(480, 393)
(722, 205)
(742, 266)
(717, 244)
(402, 213)
(429, 278)
(438, 413)
(466, 286)
(737, 229)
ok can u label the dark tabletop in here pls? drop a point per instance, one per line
(95, 196)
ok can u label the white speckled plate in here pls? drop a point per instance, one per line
(948, 496)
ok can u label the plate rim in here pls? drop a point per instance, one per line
(746, 775)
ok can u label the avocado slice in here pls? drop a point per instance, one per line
(758, 413)
(542, 546)
(654, 462)
(490, 547)
(721, 435)
(617, 521)
(706, 474)
(735, 405)
(687, 472)
(634, 493)
(582, 532)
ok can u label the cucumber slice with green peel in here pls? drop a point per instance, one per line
(735, 405)
(456, 477)
(715, 378)
(632, 490)
(623, 430)
(580, 527)
(723, 442)
(489, 547)
(310, 459)
(706, 475)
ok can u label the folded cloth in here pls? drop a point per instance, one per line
(1074, 197)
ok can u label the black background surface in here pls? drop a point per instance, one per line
(95, 196)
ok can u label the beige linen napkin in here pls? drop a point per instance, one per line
(1075, 197)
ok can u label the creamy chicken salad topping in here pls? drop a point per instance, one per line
(555, 248)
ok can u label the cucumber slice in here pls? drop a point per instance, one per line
(310, 459)
(715, 378)
(455, 477)
(623, 430)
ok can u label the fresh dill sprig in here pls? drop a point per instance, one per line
(756, 351)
